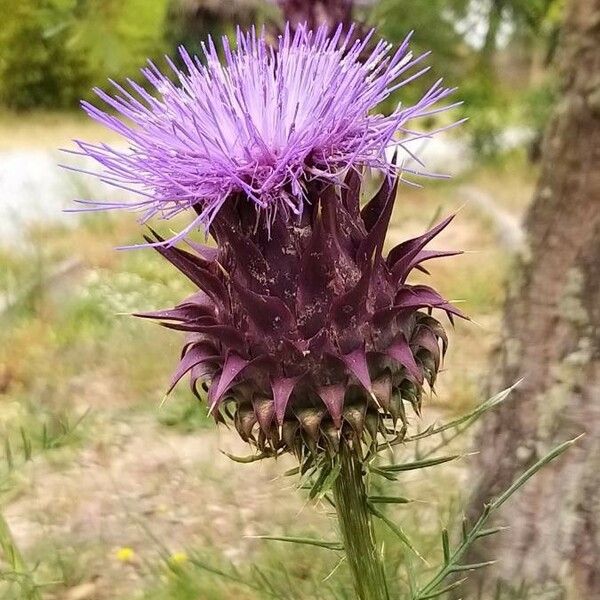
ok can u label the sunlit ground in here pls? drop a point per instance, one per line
(110, 494)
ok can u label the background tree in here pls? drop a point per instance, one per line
(53, 51)
(189, 22)
(552, 338)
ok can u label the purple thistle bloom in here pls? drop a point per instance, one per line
(265, 124)
(302, 332)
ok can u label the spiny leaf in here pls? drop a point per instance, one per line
(468, 418)
(419, 464)
(451, 565)
(532, 471)
(300, 540)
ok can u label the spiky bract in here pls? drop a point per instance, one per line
(307, 333)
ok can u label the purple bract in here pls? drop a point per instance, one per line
(306, 333)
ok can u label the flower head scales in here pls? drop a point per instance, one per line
(263, 123)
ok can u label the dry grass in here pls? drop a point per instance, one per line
(40, 130)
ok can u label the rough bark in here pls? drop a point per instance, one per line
(552, 338)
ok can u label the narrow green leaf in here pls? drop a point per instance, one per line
(478, 529)
(329, 500)
(329, 480)
(299, 540)
(472, 567)
(532, 471)
(492, 531)
(468, 418)
(419, 464)
(446, 546)
(397, 530)
(390, 500)
(385, 474)
(444, 590)
(325, 480)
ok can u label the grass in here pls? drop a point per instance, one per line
(44, 129)
(99, 508)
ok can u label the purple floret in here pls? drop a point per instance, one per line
(264, 123)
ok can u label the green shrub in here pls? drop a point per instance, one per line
(37, 69)
(53, 51)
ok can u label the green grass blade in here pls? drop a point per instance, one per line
(300, 540)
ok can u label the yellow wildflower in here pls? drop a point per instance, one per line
(125, 554)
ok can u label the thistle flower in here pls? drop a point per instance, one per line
(264, 124)
(301, 331)
(303, 334)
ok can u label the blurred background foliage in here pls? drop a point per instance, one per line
(53, 51)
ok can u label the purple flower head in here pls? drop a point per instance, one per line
(264, 123)
(302, 331)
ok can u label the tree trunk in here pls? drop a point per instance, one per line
(552, 338)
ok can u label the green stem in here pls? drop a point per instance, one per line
(356, 526)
